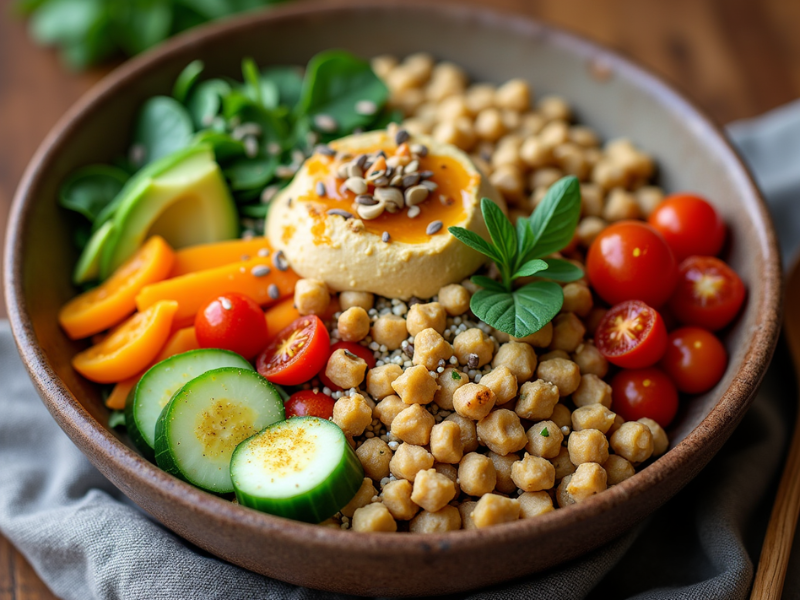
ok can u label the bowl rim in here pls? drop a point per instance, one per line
(76, 421)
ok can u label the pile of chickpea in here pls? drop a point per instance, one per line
(460, 426)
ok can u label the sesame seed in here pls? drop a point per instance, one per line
(321, 191)
(401, 137)
(226, 304)
(366, 107)
(273, 291)
(340, 213)
(325, 150)
(326, 123)
(426, 174)
(280, 262)
(274, 148)
(385, 237)
(263, 252)
(433, 227)
(413, 212)
(260, 271)
(250, 146)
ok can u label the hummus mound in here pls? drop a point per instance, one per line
(315, 221)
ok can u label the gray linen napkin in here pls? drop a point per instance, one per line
(86, 541)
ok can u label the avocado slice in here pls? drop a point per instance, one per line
(182, 197)
(88, 266)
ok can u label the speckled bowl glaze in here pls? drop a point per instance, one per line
(608, 92)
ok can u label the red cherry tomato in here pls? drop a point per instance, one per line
(630, 260)
(296, 354)
(631, 335)
(690, 225)
(709, 293)
(695, 359)
(357, 349)
(232, 322)
(308, 403)
(639, 393)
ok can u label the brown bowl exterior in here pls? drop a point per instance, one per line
(608, 93)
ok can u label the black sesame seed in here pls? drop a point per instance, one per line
(361, 161)
(472, 361)
(325, 150)
(410, 180)
(260, 271)
(409, 349)
(350, 355)
(340, 213)
(321, 191)
(401, 137)
(273, 291)
(426, 174)
(280, 262)
(380, 153)
(385, 237)
(365, 200)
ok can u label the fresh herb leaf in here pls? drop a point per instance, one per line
(116, 419)
(544, 432)
(562, 270)
(205, 102)
(503, 234)
(90, 189)
(186, 80)
(163, 127)
(247, 174)
(554, 220)
(146, 23)
(224, 146)
(521, 312)
(487, 283)
(455, 375)
(531, 267)
(289, 83)
(474, 241)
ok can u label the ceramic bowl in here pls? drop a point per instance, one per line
(608, 92)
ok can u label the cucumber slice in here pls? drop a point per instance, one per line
(302, 468)
(201, 426)
(160, 382)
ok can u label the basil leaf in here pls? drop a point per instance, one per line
(206, 101)
(186, 80)
(474, 241)
(554, 220)
(524, 238)
(488, 283)
(522, 312)
(288, 81)
(163, 127)
(531, 268)
(250, 173)
(89, 190)
(503, 234)
(561, 270)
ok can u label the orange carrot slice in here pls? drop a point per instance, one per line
(210, 256)
(130, 347)
(258, 279)
(280, 316)
(108, 304)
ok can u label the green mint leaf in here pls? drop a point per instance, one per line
(522, 312)
(554, 220)
(502, 232)
(524, 238)
(455, 375)
(531, 268)
(474, 241)
(561, 270)
(488, 283)
(544, 432)
(186, 80)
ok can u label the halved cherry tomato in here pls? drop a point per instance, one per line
(357, 349)
(297, 353)
(695, 359)
(632, 335)
(630, 260)
(639, 393)
(308, 403)
(690, 225)
(232, 322)
(709, 293)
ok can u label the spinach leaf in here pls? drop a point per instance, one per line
(521, 312)
(90, 189)
(205, 102)
(288, 81)
(163, 127)
(224, 146)
(247, 174)
(187, 78)
(146, 23)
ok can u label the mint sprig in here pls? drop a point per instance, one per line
(519, 252)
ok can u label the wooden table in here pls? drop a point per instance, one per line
(736, 58)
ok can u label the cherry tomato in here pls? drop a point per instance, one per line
(232, 322)
(639, 393)
(630, 260)
(709, 293)
(690, 225)
(308, 403)
(631, 335)
(357, 349)
(695, 359)
(296, 354)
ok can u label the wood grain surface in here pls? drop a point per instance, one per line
(735, 58)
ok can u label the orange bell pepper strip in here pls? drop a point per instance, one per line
(114, 299)
(130, 347)
(258, 279)
(209, 256)
(179, 342)
(280, 316)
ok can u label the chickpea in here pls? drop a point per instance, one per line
(390, 331)
(311, 296)
(590, 361)
(388, 408)
(396, 496)
(476, 474)
(446, 519)
(430, 348)
(537, 400)
(458, 133)
(660, 440)
(533, 504)
(479, 97)
(561, 416)
(648, 198)
(454, 298)
(432, 490)
(562, 464)
(465, 510)
(363, 300)
(592, 390)
(572, 159)
(593, 320)
(345, 369)
(635, 163)
(563, 497)
(618, 469)
(489, 124)
(413, 425)
(531, 123)
(417, 126)
(415, 386)
(473, 401)
(589, 445)
(423, 316)
(407, 100)
(520, 359)
(401, 79)
(447, 79)
(374, 517)
(544, 439)
(564, 374)
(492, 509)
(449, 471)
(621, 205)
(449, 381)
(446, 444)
(533, 474)
(545, 177)
(515, 95)
(502, 466)
(592, 416)
(588, 480)
(452, 108)
(592, 200)
(469, 434)
(352, 414)
(507, 178)
(383, 64)
(618, 421)
(502, 432)
(568, 331)
(583, 136)
(588, 229)
(632, 441)
(375, 455)
(536, 153)
(353, 324)
(539, 339)
(577, 300)
(554, 134)
(502, 382)
(608, 174)
(555, 107)
(362, 497)
(379, 380)
(473, 342)
(408, 460)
